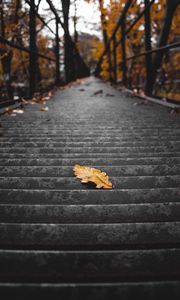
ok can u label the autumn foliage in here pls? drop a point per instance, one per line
(167, 79)
(15, 28)
(14, 63)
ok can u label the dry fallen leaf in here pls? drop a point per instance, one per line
(142, 94)
(135, 91)
(99, 92)
(141, 103)
(12, 112)
(45, 99)
(175, 110)
(87, 174)
(24, 101)
(109, 95)
(33, 102)
(16, 98)
(44, 108)
(37, 101)
(18, 111)
(8, 110)
(50, 94)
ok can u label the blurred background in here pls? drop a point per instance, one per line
(41, 42)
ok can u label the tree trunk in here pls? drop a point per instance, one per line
(75, 23)
(2, 29)
(105, 38)
(70, 72)
(6, 60)
(33, 59)
(103, 23)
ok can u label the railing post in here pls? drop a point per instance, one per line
(33, 49)
(149, 66)
(123, 45)
(109, 61)
(57, 81)
(115, 59)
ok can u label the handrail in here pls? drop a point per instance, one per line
(112, 53)
(127, 5)
(13, 45)
(167, 47)
(79, 67)
(117, 26)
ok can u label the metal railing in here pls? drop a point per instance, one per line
(113, 43)
(34, 52)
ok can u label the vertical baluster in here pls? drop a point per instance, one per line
(115, 59)
(57, 81)
(109, 61)
(123, 45)
(33, 49)
(149, 68)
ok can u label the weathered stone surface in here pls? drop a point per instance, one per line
(85, 266)
(90, 196)
(74, 214)
(67, 236)
(151, 290)
(62, 239)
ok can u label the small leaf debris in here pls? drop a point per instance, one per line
(175, 110)
(109, 95)
(44, 108)
(99, 92)
(37, 101)
(13, 111)
(18, 111)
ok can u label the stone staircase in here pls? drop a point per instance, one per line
(60, 239)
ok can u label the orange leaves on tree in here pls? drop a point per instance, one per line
(87, 174)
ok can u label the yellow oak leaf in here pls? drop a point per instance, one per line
(87, 174)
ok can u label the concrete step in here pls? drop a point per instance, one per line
(63, 239)
(92, 130)
(92, 138)
(124, 141)
(65, 183)
(91, 161)
(95, 147)
(89, 266)
(29, 153)
(67, 171)
(151, 290)
(82, 153)
(90, 236)
(89, 196)
(84, 214)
